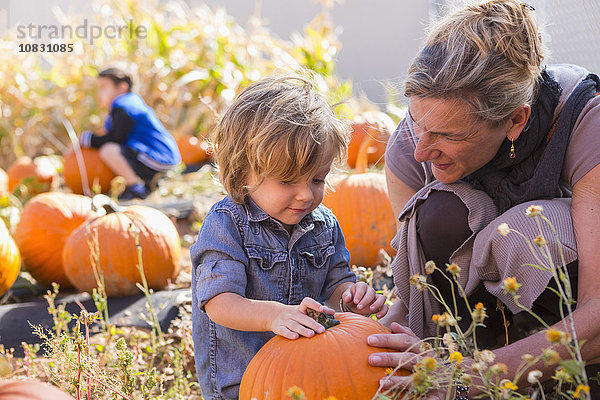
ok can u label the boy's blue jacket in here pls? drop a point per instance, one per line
(155, 146)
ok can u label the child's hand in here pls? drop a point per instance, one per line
(362, 299)
(292, 321)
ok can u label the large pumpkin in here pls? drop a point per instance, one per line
(10, 259)
(42, 171)
(375, 125)
(334, 363)
(362, 206)
(98, 173)
(46, 222)
(30, 390)
(118, 259)
(3, 183)
(193, 150)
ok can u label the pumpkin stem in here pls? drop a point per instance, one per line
(362, 158)
(326, 320)
(101, 201)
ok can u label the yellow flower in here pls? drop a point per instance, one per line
(445, 320)
(561, 375)
(511, 285)
(478, 314)
(579, 389)
(553, 335)
(429, 363)
(296, 393)
(509, 385)
(503, 229)
(435, 318)
(389, 371)
(534, 211)
(456, 357)
(429, 267)
(539, 241)
(418, 281)
(453, 268)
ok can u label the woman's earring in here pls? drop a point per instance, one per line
(512, 153)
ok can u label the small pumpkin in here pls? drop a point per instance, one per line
(98, 173)
(42, 171)
(375, 125)
(3, 183)
(10, 259)
(118, 258)
(334, 363)
(46, 222)
(30, 390)
(193, 150)
(362, 206)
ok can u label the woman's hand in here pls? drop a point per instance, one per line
(362, 299)
(292, 322)
(408, 347)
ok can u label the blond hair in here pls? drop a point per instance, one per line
(487, 54)
(280, 128)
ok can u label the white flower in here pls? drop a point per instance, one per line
(429, 267)
(484, 356)
(447, 339)
(534, 211)
(534, 376)
(503, 229)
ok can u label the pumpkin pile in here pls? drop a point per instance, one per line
(361, 204)
(41, 171)
(41, 244)
(59, 249)
(334, 363)
(10, 259)
(118, 255)
(97, 172)
(374, 126)
(193, 150)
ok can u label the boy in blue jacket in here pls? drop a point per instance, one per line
(134, 144)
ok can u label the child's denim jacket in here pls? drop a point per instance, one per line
(241, 249)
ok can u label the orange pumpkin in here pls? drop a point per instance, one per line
(3, 183)
(98, 173)
(193, 150)
(362, 206)
(42, 171)
(118, 259)
(30, 390)
(10, 259)
(375, 125)
(333, 363)
(41, 244)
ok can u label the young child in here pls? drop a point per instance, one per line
(134, 144)
(269, 250)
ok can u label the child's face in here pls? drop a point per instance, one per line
(289, 202)
(107, 91)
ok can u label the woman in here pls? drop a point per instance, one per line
(489, 132)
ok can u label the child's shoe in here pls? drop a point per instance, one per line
(135, 191)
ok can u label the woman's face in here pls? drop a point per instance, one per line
(450, 138)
